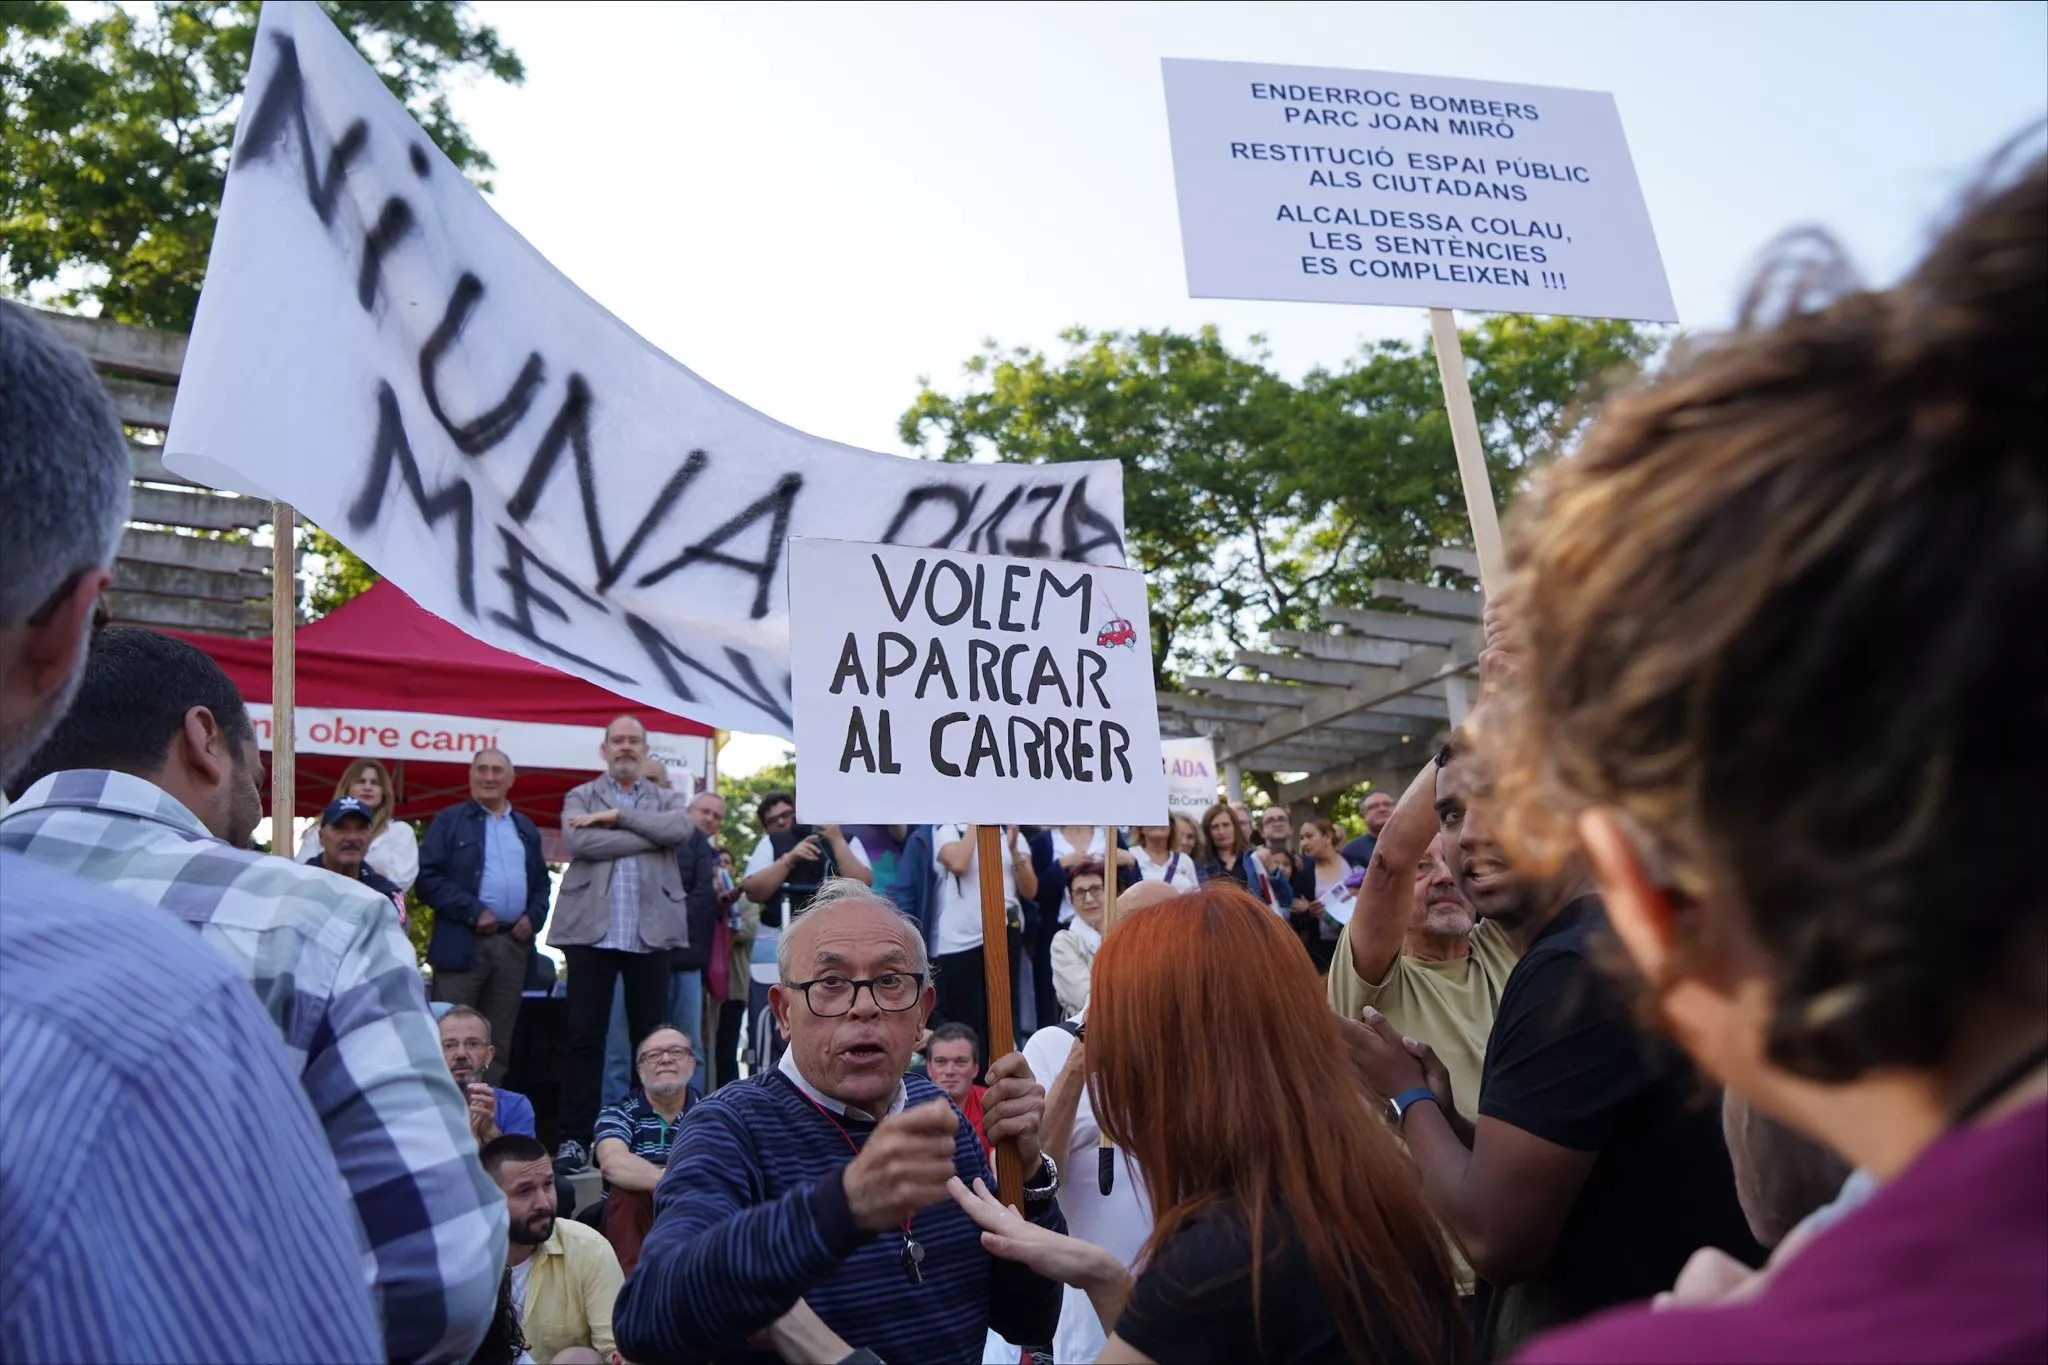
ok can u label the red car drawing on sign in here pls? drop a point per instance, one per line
(1117, 632)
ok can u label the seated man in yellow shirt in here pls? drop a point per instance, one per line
(1412, 950)
(564, 1275)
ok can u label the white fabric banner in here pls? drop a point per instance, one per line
(933, 686)
(455, 739)
(375, 346)
(1190, 776)
(1332, 186)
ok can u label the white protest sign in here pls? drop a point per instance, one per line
(375, 346)
(1332, 186)
(1190, 776)
(935, 686)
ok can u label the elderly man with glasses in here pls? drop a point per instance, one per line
(804, 1211)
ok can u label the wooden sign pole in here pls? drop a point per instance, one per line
(1105, 1150)
(284, 619)
(995, 965)
(1479, 506)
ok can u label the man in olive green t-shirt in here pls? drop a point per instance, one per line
(1412, 951)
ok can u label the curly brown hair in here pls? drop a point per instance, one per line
(1784, 615)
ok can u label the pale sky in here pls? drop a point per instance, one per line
(813, 206)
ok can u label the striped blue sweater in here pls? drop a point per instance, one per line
(752, 1216)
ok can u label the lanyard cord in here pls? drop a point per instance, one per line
(848, 1138)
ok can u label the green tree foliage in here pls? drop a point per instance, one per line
(115, 126)
(742, 826)
(1251, 501)
(118, 121)
(338, 576)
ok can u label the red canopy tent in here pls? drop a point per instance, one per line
(384, 677)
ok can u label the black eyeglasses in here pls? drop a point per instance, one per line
(831, 996)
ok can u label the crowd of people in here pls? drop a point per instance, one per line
(1691, 1003)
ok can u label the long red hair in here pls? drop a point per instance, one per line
(1214, 1061)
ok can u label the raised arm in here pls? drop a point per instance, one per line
(1386, 898)
(1022, 866)
(850, 864)
(958, 856)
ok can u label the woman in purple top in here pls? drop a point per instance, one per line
(1773, 657)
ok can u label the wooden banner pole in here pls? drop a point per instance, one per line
(1479, 505)
(995, 965)
(284, 620)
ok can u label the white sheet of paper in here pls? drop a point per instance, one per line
(1338, 903)
(1333, 186)
(934, 686)
(1190, 775)
(377, 347)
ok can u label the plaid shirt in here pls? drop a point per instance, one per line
(623, 900)
(328, 961)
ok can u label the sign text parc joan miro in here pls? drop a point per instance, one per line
(1331, 186)
(932, 685)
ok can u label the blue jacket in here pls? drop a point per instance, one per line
(451, 872)
(915, 880)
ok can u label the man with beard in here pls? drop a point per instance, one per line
(564, 1276)
(634, 1137)
(466, 1046)
(344, 839)
(622, 907)
(116, 1020)
(1412, 950)
(1594, 1170)
(152, 785)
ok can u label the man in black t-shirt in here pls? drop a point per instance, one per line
(1597, 1165)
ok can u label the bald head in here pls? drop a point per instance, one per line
(852, 1041)
(837, 897)
(1144, 894)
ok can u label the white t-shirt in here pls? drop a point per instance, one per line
(958, 899)
(1061, 847)
(1183, 878)
(520, 1273)
(764, 854)
(1118, 1223)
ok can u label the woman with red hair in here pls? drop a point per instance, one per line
(1288, 1225)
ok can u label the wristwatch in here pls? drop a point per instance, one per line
(860, 1355)
(1408, 1099)
(1049, 1186)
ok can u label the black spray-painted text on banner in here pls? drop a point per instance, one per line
(503, 467)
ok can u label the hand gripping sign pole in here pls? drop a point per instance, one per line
(995, 965)
(284, 617)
